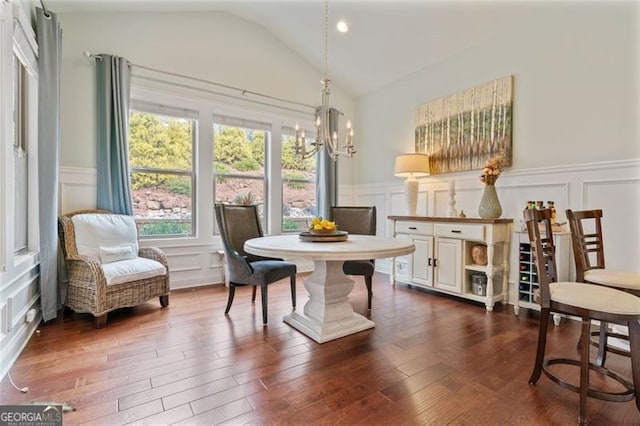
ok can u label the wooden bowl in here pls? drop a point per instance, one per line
(323, 231)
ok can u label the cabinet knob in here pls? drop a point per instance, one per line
(429, 262)
(435, 262)
(413, 228)
(456, 231)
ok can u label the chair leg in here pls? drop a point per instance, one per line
(101, 321)
(293, 291)
(584, 370)
(602, 344)
(164, 300)
(542, 342)
(263, 292)
(253, 294)
(232, 292)
(634, 349)
(368, 279)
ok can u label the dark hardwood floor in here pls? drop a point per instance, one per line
(429, 360)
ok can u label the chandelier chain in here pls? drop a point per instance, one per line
(326, 39)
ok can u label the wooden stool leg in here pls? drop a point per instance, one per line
(584, 370)
(602, 344)
(542, 342)
(634, 348)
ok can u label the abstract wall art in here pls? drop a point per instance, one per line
(462, 131)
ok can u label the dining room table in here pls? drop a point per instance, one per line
(327, 314)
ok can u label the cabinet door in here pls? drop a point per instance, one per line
(448, 270)
(422, 261)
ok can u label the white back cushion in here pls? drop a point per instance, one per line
(103, 230)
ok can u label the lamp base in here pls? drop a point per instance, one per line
(411, 194)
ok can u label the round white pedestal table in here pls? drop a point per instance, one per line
(327, 314)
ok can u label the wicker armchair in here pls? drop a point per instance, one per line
(99, 284)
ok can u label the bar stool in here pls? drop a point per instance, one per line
(588, 253)
(588, 302)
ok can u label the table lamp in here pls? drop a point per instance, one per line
(411, 166)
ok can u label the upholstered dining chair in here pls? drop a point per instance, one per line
(236, 225)
(358, 220)
(587, 302)
(106, 267)
(588, 253)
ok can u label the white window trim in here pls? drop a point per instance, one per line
(209, 105)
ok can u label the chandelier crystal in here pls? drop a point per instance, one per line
(325, 139)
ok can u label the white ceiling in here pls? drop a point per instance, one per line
(387, 40)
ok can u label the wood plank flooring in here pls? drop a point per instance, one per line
(430, 359)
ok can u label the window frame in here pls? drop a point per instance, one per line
(147, 107)
(246, 123)
(207, 104)
(288, 131)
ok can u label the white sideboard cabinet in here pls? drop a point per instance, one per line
(443, 259)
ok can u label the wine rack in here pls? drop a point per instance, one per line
(527, 274)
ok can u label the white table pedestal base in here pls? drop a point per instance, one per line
(328, 314)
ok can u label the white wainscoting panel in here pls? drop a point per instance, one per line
(611, 186)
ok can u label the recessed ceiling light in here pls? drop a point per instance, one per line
(342, 27)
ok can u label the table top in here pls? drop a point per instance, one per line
(357, 247)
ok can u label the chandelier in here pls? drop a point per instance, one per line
(325, 139)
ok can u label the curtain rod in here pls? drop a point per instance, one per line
(243, 92)
(45, 10)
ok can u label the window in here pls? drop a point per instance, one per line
(239, 150)
(161, 141)
(298, 185)
(20, 159)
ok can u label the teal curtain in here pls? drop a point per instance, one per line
(327, 173)
(49, 35)
(113, 77)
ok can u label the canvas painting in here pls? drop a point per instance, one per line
(462, 131)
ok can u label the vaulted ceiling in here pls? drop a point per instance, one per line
(387, 40)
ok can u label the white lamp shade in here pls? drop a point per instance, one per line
(412, 165)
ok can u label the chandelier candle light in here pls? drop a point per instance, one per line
(324, 138)
(411, 166)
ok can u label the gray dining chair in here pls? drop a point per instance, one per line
(236, 225)
(362, 221)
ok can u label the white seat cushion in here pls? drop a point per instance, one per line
(621, 279)
(595, 297)
(129, 270)
(94, 230)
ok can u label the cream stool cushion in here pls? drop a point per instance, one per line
(595, 298)
(621, 279)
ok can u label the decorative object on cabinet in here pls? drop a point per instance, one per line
(452, 199)
(411, 166)
(462, 131)
(443, 262)
(479, 254)
(489, 204)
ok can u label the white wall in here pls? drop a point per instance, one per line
(575, 95)
(575, 133)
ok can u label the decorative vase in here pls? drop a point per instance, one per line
(489, 207)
